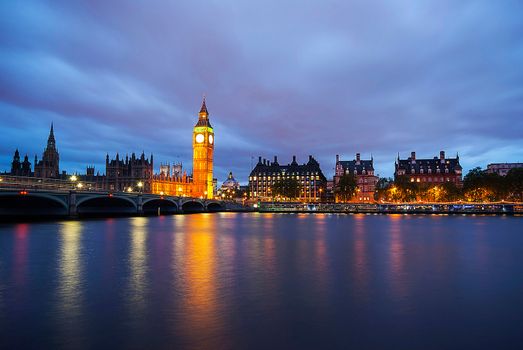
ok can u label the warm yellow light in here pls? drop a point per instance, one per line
(161, 193)
(129, 189)
(140, 184)
(80, 185)
(74, 178)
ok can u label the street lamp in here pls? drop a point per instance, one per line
(80, 185)
(73, 179)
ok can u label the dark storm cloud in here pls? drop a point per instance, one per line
(281, 77)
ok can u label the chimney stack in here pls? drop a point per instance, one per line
(294, 159)
(275, 159)
(358, 157)
(442, 155)
(259, 159)
(413, 155)
(310, 157)
(337, 158)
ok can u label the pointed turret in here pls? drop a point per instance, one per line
(51, 142)
(203, 110)
(203, 115)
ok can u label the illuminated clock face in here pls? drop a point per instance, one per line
(200, 138)
(211, 139)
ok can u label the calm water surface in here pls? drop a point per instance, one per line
(263, 281)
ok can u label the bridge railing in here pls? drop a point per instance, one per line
(37, 183)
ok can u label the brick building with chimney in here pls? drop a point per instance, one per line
(430, 170)
(363, 172)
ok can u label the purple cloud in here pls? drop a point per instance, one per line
(281, 78)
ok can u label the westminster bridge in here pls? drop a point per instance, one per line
(40, 198)
(74, 203)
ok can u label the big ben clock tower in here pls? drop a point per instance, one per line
(203, 149)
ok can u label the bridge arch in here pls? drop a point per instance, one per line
(32, 204)
(215, 206)
(159, 205)
(193, 206)
(106, 205)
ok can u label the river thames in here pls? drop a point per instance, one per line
(263, 281)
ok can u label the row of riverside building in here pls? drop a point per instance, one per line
(129, 172)
(314, 186)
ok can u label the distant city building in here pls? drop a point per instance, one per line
(230, 184)
(49, 166)
(20, 168)
(502, 168)
(312, 182)
(93, 181)
(129, 174)
(363, 171)
(165, 170)
(430, 171)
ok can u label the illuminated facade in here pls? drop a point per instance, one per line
(363, 172)
(310, 178)
(203, 149)
(201, 182)
(126, 174)
(430, 171)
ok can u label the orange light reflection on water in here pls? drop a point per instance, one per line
(361, 268)
(70, 281)
(203, 318)
(20, 254)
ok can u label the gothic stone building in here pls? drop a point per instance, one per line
(363, 171)
(48, 167)
(201, 184)
(430, 171)
(309, 176)
(126, 174)
(20, 168)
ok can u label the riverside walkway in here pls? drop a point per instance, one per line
(394, 208)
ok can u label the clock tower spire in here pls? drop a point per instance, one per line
(203, 149)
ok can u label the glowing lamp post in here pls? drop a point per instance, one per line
(140, 186)
(73, 179)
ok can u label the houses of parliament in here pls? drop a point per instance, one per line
(134, 172)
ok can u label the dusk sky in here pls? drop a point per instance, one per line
(281, 78)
